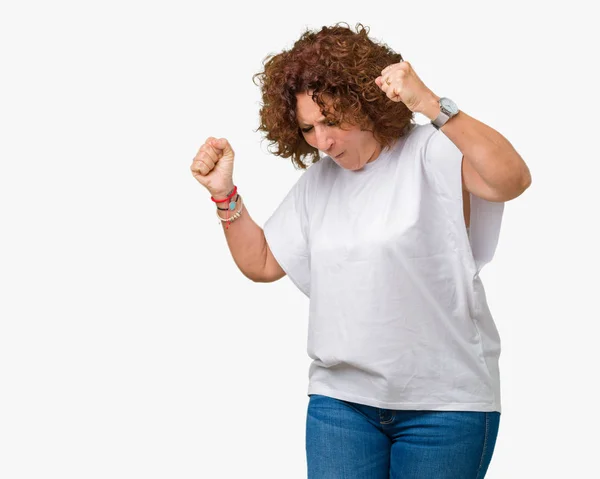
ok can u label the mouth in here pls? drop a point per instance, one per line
(340, 155)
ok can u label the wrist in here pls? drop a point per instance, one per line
(431, 107)
(222, 194)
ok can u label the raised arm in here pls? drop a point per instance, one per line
(213, 168)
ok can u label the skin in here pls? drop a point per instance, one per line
(359, 147)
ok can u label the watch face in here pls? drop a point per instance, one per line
(449, 105)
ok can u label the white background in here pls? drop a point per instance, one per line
(132, 347)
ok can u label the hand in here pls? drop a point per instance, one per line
(401, 83)
(213, 166)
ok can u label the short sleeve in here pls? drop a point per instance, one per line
(443, 159)
(286, 232)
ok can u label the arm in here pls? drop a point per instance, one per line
(491, 168)
(249, 249)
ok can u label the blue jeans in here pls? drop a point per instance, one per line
(345, 440)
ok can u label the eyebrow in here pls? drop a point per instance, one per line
(303, 123)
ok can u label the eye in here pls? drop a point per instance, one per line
(306, 130)
(332, 123)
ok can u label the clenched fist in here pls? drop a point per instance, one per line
(213, 166)
(400, 82)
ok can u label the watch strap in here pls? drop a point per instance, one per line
(445, 114)
(441, 120)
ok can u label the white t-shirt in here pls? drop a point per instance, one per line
(398, 314)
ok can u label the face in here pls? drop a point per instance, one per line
(351, 148)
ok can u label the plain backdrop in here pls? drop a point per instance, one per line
(132, 347)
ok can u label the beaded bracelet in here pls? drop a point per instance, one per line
(229, 208)
(234, 216)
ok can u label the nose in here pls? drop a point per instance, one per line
(324, 140)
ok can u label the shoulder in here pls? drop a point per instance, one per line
(432, 145)
(416, 141)
(420, 135)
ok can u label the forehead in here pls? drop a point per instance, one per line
(307, 110)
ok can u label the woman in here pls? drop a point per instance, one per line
(386, 232)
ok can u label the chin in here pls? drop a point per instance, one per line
(355, 168)
(352, 167)
(347, 166)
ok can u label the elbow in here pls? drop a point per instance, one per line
(257, 279)
(254, 277)
(523, 182)
(520, 180)
(515, 188)
(527, 180)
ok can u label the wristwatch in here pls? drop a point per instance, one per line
(448, 109)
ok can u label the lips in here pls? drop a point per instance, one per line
(338, 156)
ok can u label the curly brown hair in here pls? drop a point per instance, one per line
(340, 67)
